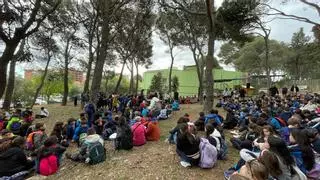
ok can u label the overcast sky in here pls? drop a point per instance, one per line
(281, 30)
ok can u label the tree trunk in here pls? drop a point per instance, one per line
(120, 77)
(66, 75)
(6, 57)
(209, 59)
(200, 95)
(11, 80)
(89, 67)
(42, 80)
(10, 85)
(137, 78)
(131, 78)
(171, 65)
(266, 38)
(200, 77)
(98, 70)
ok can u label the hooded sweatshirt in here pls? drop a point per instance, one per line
(139, 134)
(14, 160)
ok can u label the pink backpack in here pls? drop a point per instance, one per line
(48, 165)
(138, 134)
(208, 154)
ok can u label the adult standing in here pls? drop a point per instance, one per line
(284, 92)
(75, 100)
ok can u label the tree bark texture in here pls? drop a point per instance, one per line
(120, 78)
(98, 70)
(89, 66)
(6, 57)
(10, 85)
(131, 77)
(209, 59)
(137, 78)
(66, 74)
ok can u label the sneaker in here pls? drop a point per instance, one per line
(185, 164)
(228, 173)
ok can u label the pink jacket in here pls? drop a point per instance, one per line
(139, 134)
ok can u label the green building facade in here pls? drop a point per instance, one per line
(188, 79)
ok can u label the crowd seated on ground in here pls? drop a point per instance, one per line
(28, 147)
(280, 132)
(277, 136)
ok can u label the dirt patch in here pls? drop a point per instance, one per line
(155, 160)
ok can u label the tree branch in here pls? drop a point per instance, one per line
(180, 7)
(312, 4)
(39, 21)
(294, 17)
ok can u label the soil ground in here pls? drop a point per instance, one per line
(155, 160)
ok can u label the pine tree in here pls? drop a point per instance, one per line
(157, 83)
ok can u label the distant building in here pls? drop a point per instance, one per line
(77, 76)
(188, 79)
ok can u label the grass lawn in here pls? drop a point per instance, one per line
(155, 160)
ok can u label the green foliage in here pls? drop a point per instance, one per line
(157, 83)
(235, 18)
(251, 57)
(175, 84)
(23, 90)
(112, 82)
(74, 91)
(52, 85)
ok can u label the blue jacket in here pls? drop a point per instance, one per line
(175, 105)
(79, 130)
(274, 123)
(213, 116)
(70, 131)
(296, 153)
(145, 112)
(285, 115)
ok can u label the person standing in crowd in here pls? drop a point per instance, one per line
(75, 100)
(284, 92)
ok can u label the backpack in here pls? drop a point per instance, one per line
(222, 148)
(15, 127)
(282, 122)
(82, 137)
(89, 108)
(48, 165)
(30, 141)
(124, 138)
(96, 153)
(208, 154)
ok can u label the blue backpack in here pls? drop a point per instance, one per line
(89, 109)
(15, 127)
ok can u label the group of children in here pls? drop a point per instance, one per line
(277, 137)
(194, 150)
(28, 147)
